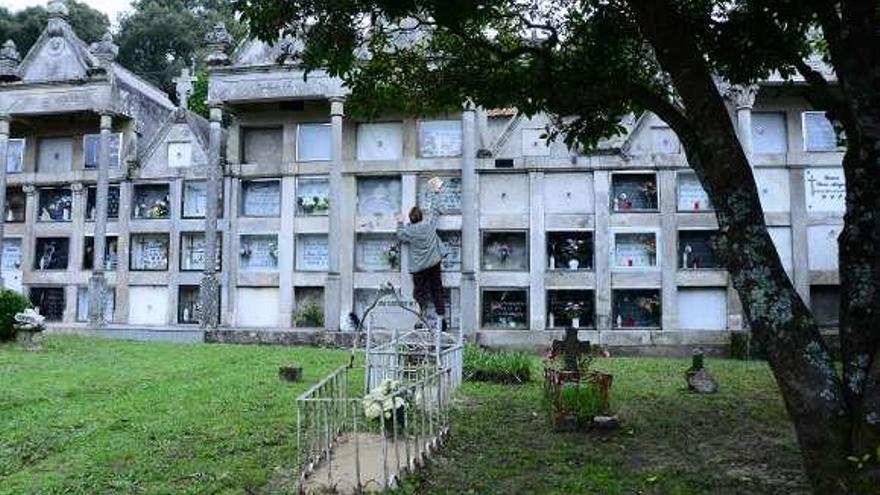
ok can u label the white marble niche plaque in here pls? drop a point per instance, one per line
(819, 134)
(378, 197)
(447, 199)
(261, 198)
(691, 195)
(149, 252)
(440, 138)
(55, 155)
(312, 253)
(377, 253)
(195, 199)
(82, 304)
(380, 141)
(192, 250)
(15, 156)
(258, 252)
(825, 189)
(92, 150)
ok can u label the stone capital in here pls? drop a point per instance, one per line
(77, 187)
(106, 121)
(9, 61)
(337, 106)
(742, 96)
(4, 125)
(216, 113)
(105, 50)
(29, 189)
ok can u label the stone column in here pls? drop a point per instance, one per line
(602, 240)
(537, 253)
(4, 146)
(667, 255)
(209, 290)
(470, 226)
(800, 258)
(28, 242)
(333, 288)
(97, 284)
(743, 98)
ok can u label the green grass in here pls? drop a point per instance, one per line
(92, 416)
(95, 417)
(738, 441)
(482, 365)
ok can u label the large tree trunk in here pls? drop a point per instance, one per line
(812, 390)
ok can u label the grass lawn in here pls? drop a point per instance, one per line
(671, 442)
(98, 417)
(106, 417)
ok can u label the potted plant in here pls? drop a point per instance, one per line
(388, 403)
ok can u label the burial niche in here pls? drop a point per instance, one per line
(112, 203)
(192, 252)
(195, 199)
(447, 199)
(377, 253)
(505, 251)
(636, 308)
(570, 308)
(82, 304)
(505, 309)
(312, 253)
(819, 134)
(51, 253)
(634, 193)
(50, 302)
(570, 250)
(312, 196)
(92, 150)
(261, 198)
(149, 252)
(450, 246)
(378, 196)
(188, 304)
(696, 250)
(635, 250)
(258, 252)
(440, 138)
(151, 201)
(15, 156)
(313, 142)
(691, 195)
(111, 253)
(55, 205)
(15, 205)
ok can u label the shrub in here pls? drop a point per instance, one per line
(482, 365)
(11, 303)
(310, 315)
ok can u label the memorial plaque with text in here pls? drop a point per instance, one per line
(635, 250)
(451, 248)
(447, 200)
(149, 252)
(691, 195)
(377, 253)
(825, 189)
(261, 198)
(312, 253)
(505, 309)
(258, 252)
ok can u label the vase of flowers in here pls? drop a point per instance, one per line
(572, 310)
(388, 403)
(392, 255)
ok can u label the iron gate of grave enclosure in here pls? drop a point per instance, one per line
(406, 354)
(341, 451)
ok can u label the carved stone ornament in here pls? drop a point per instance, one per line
(219, 42)
(58, 14)
(105, 50)
(742, 96)
(9, 61)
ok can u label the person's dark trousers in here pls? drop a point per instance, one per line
(428, 287)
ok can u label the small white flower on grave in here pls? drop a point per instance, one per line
(384, 400)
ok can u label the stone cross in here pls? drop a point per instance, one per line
(571, 349)
(184, 85)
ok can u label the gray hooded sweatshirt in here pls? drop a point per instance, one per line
(424, 243)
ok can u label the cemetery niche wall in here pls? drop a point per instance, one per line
(691, 195)
(377, 253)
(570, 250)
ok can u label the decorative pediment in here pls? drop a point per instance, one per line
(179, 147)
(58, 54)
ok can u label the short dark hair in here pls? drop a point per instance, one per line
(415, 214)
